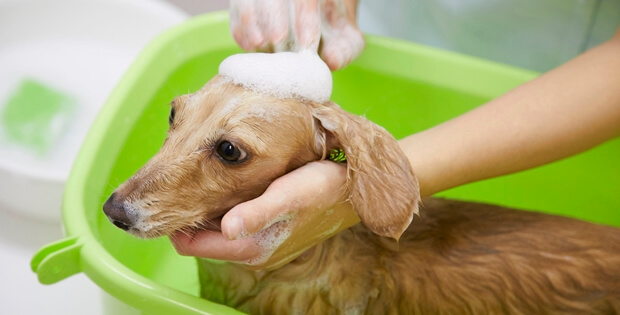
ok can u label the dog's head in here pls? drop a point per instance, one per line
(226, 144)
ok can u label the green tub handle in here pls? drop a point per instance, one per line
(57, 261)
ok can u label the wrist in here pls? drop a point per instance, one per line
(431, 162)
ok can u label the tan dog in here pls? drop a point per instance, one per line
(226, 144)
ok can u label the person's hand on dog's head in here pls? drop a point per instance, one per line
(283, 25)
(306, 206)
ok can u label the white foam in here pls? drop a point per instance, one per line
(283, 74)
(269, 240)
(230, 105)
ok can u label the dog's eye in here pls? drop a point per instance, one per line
(171, 117)
(229, 152)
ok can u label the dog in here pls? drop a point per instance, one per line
(227, 143)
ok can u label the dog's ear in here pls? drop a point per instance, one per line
(381, 184)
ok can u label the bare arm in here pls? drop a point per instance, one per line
(561, 113)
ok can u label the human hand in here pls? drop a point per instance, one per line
(297, 211)
(294, 25)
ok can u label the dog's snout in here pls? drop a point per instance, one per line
(115, 210)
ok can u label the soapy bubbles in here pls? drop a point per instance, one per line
(284, 74)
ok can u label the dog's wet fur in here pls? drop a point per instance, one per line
(226, 144)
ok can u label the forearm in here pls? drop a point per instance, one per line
(561, 113)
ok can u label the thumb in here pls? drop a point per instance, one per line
(250, 217)
(315, 183)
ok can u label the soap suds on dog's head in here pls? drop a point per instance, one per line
(283, 74)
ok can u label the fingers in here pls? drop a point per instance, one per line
(259, 25)
(250, 217)
(214, 245)
(342, 39)
(254, 251)
(313, 186)
(282, 25)
(244, 24)
(342, 46)
(306, 23)
(275, 21)
(265, 25)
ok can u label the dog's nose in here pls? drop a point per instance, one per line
(115, 210)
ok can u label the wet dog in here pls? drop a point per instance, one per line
(226, 144)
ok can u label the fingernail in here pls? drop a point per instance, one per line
(234, 228)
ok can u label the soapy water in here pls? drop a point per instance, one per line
(273, 235)
(283, 74)
(85, 70)
(269, 240)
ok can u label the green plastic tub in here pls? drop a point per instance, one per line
(403, 86)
